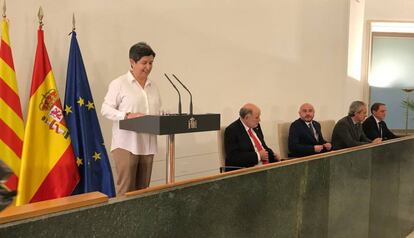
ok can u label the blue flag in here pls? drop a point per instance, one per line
(85, 132)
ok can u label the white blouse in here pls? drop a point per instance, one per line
(126, 95)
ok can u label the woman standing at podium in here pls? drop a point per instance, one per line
(133, 95)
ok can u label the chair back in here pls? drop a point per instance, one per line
(221, 150)
(283, 135)
(327, 129)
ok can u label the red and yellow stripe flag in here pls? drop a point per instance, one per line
(11, 119)
(48, 167)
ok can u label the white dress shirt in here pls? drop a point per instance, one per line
(125, 95)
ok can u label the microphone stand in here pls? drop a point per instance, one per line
(179, 95)
(191, 96)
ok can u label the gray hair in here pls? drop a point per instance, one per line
(244, 111)
(355, 107)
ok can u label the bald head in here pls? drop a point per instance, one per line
(306, 112)
(250, 115)
(248, 108)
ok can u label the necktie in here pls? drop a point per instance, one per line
(257, 144)
(380, 126)
(356, 130)
(313, 131)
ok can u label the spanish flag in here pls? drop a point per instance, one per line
(11, 119)
(48, 167)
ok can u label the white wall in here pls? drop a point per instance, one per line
(354, 86)
(356, 30)
(277, 54)
(398, 10)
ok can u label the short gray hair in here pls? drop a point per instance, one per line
(244, 111)
(355, 107)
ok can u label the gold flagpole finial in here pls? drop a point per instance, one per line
(40, 15)
(73, 22)
(4, 8)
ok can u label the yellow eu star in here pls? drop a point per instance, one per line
(97, 156)
(90, 105)
(68, 109)
(79, 161)
(81, 101)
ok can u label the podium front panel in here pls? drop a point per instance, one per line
(172, 124)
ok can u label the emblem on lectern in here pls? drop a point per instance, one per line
(192, 123)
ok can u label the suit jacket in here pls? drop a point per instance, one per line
(302, 140)
(240, 149)
(372, 131)
(345, 134)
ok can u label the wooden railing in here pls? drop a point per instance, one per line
(14, 213)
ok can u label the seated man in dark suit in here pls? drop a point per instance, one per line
(348, 131)
(244, 141)
(305, 135)
(375, 126)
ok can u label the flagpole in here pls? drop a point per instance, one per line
(4, 9)
(40, 16)
(73, 22)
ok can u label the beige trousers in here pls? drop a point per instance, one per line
(134, 171)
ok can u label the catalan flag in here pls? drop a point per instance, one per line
(91, 156)
(11, 119)
(48, 167)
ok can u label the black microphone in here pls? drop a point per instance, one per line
(179, 95)
(191, 96)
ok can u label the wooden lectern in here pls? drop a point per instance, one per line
(171, 125)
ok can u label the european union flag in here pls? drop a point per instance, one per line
(85, 132)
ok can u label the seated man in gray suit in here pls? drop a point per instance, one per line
(348, 131)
